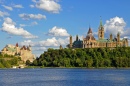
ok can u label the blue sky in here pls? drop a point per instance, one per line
(46, 24)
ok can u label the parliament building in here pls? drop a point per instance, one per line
(90, 42)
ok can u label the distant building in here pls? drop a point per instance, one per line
(76, 44)
(24, 52)
(61, 47)
(90, 42)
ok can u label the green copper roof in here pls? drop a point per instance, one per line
(100, 23)
(78, 42)
(11, 49)
(104, 40)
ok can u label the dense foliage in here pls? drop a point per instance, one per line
(7, 61)
(96, 57)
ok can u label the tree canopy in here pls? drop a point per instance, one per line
(89, 57)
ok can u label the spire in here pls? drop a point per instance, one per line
(90, 30)
(100, 21)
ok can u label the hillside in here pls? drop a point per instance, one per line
(7, 61)
(96, 57)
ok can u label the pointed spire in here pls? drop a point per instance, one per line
(100, 21)
(90, 30)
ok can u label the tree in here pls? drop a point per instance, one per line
(28, 62)
(1, 65)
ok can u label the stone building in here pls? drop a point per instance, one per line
(90, 42)
(24, 52)
(76, 44)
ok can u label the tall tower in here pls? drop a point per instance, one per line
(70, 42)
(118, 37)
(101, 31)
(111, 37)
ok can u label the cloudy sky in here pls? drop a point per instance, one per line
(46, 24)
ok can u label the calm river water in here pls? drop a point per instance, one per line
(64, 77)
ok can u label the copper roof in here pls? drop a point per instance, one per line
(89, 35)
(90, 30)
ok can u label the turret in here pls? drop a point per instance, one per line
(77, 38)
(70, 42)
(111, 37)
(17, 45)
(61, 47)
(118, 37)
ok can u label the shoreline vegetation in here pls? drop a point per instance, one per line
(118, 57)
(89, 58)
(38, 67)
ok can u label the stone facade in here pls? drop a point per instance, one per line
(90, 42)
(24, 52)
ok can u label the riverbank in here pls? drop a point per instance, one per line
(79, 67)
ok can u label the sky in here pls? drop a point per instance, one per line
(47, 24)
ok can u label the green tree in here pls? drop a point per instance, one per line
(28, 62)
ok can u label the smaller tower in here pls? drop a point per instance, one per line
(77, 38)
(118, 37)
(70, 42)
(30, 47)
(17, 45)
(17, 48)
(111, 37)
(61, 47)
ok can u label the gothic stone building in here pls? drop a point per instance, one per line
(90, 42)
(24, 52)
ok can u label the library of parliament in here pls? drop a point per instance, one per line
(90, 42)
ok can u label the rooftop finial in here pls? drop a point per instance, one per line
(89, 25)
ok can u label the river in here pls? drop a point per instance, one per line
(64, 77)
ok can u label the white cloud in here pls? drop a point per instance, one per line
(54, 42)
(31, 24)
(7, 7)
(45, 44)
(115, 25)
(32, 16)
(39, 48)
(9, 27)
(50, 42)
(27, 43)
(32, 6)
(34, 23)
(18, 6)
(2, 14)
(56, 31)
(22, 25)
(34, 1)
(48, 5)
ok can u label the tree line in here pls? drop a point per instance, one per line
(89, 57)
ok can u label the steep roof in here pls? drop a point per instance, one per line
(90, 35)
(90, 30)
